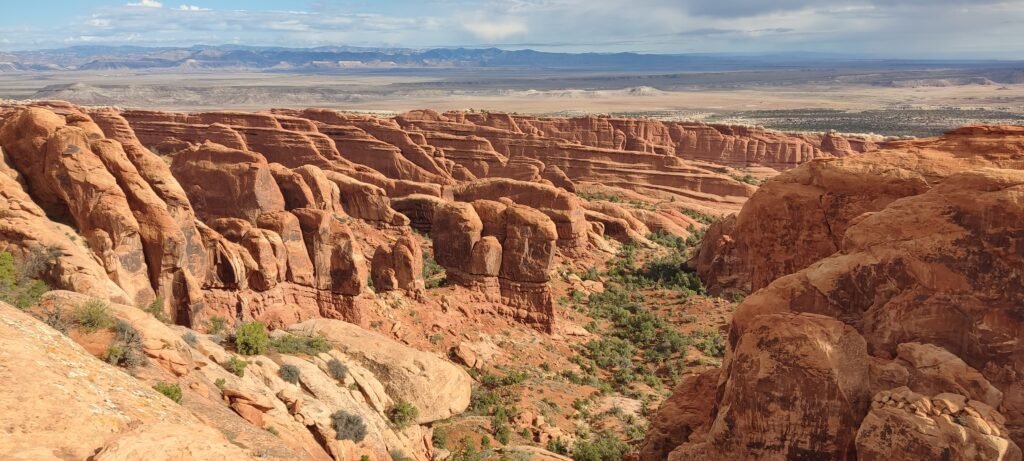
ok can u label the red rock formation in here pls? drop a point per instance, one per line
(932, 268)
(224, 182)
(800, 216)
(399, 267)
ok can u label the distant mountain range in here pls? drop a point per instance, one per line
(332, 59)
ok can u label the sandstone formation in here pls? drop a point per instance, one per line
(436, 387)
(882, 320)
(81, 407)
(917, 297)
(800, 216)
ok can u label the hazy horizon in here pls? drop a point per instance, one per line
(872, 29)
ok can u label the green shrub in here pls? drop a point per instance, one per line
(126, 350)
(273, 431)
(220, 383)
(399, 455)
(156, 309)
(337, 370)
(289, 373)
(94, 315)
(236, 366)
(440, 437)
(19, 286)
(403, 414)
(558, 446)
(348, 426)
(499, 425)
(604, 448)
(251, 338)
(710, 342)
(433, 273)
(294, 344)
(172, 391)
(217, 325)
(467, 451)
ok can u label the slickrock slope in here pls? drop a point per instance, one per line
(897, 331)
(60, 402)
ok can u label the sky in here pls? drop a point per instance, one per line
(859, 28)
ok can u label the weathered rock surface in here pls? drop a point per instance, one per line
(438, 388)
(929, 284)
(800, 216)
(903, 424)
(69, 404)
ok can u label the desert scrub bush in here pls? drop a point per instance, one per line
(58, 320)
(156, 309)
(403, 414)
(294, 344)
(190, 338)
(399, 455)
(251, 338)
(558, 446)
(216, 325)
(94, 315)
(710, 342)
(126, 350)
(19, 286)
(440, 437)
(337, 370)
(433, 273)
(500, 426)
(235, 365)
(605, 447)
(467, 451)
(171, 391)
(348, 426)
(289, 373)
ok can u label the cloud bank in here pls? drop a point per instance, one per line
(882, 28)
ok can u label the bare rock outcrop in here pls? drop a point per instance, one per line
(398, 267)
(70, 404)
(928, 288)
(438, 388)
(904, 424)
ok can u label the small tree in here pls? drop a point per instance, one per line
(251, 339)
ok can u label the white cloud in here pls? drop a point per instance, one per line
(192, 8)
(490, 30)
(148, 4)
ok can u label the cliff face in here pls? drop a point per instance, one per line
(885, 316)
(251, 215)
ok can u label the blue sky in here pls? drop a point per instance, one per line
(877, 28)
